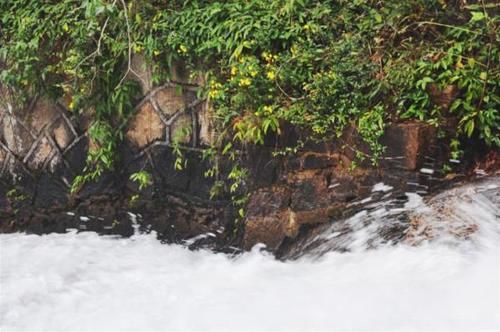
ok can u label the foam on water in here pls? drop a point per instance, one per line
(86, 282)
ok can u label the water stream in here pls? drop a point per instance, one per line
(441, 272)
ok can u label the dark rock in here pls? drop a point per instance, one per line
(263, 166)
(270, 230)
(290, 197)
(267, 201)
(314, 161)
(50, 191)
(409, 141)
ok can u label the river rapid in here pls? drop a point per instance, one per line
(84, 282)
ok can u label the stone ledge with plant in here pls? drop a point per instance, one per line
(310, 91)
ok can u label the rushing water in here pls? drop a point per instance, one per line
(86, 282)
(389, 218)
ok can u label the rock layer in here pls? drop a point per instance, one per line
(43, 146)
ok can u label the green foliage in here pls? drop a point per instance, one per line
(142, 178)
(78, 49)
(327, 65)
(180, 162)
(467, 62)
(371, 126)
(100, 157)
(14, 195)
(321, 65)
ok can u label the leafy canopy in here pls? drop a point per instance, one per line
(321, 65)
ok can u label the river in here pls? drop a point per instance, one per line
(86, 282)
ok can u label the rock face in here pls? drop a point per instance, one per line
(43, 146)
(146, 127)
(36, 136)
(317, 186)
(167, 114)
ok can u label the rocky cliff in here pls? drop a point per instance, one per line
(43, 146)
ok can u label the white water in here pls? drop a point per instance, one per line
(84, 282)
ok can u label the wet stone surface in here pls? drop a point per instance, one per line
(291, 198)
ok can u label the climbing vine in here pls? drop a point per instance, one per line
(323, 66)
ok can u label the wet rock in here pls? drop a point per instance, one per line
(319, 188)
(293, 164)
(291, 198)
(317, 216)
(409, 141)
(51, 192)
(42, 151)
(269, 200)
(269, 230)
(318, 161)
(264, 165)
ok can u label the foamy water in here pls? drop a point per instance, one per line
(85, 282)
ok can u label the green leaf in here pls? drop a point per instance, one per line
(469, 127)
(227, 148)
(477, 16)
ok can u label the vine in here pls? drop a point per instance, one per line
(320, 65)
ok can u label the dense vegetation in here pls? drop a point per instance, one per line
(321, 65)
